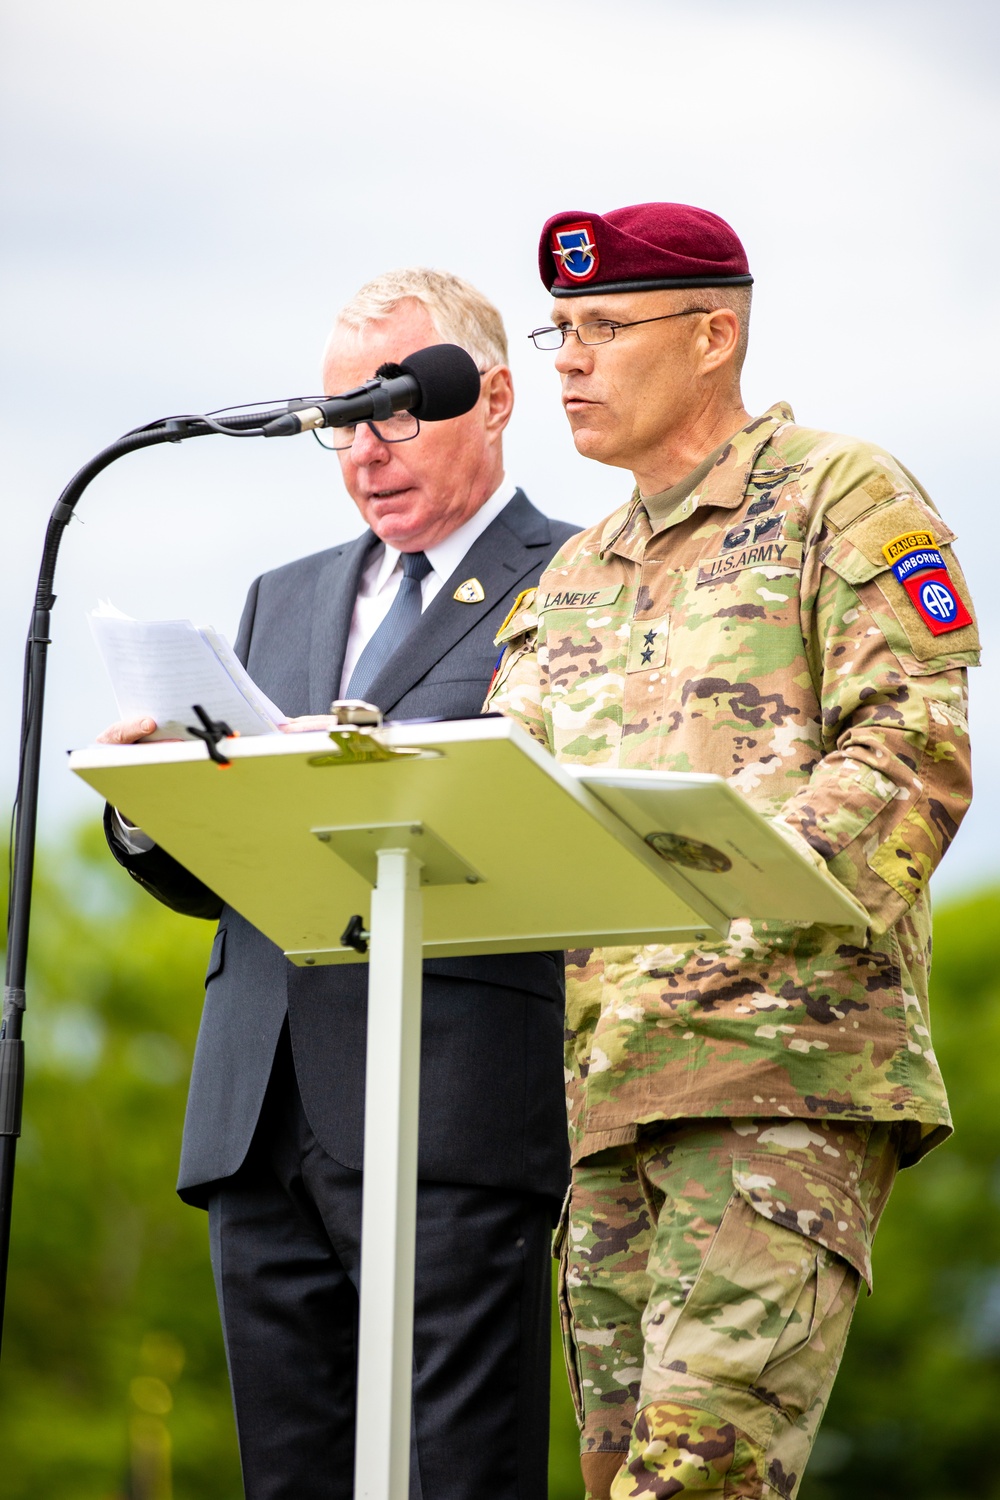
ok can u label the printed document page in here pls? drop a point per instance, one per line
(164, 667)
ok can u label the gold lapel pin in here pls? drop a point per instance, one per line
(469, 592)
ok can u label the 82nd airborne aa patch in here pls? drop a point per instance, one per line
(937, 601)
(923, 572)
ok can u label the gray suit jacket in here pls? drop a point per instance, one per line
(492, 1110)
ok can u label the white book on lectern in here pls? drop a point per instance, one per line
(730, 853)
(164, 667)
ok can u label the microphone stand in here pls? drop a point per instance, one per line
(171, 430)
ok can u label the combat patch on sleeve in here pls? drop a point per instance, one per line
(901, 550)
(519, 619)
(917, 561)
(937, 601)
(907, 541)
(921, 569)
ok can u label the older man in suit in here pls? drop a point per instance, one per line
(405, 617)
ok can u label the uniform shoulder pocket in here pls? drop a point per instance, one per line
(899, 559)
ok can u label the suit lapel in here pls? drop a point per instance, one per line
(499, 558)
(336, 592)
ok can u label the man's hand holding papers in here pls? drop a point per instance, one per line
(160, 669)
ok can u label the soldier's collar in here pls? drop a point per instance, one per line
(676, 503)
(726, 482)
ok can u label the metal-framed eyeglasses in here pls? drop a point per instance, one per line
(399, 428)
(600, 332)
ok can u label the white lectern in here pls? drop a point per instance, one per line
(445, 839)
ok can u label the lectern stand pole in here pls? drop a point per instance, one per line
(389, 1206)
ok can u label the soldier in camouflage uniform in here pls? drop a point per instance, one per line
(779, 606)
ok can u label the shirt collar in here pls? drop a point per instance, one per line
(445, 556)
(672, 505)
(725, 483)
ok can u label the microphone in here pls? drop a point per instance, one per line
(434, 384)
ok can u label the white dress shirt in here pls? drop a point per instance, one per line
(379, 582)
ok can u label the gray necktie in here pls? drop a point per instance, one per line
(404, 612)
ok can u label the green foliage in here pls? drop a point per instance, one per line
(112, 1351)
(931, 1330)
(114, 1373)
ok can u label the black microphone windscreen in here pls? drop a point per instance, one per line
(448, 378)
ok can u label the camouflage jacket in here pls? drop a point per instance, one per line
(759, 631)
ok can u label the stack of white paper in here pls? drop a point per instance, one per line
(163, 667)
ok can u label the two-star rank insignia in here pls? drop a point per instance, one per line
(647, 647)
(575, 250)
(469, 592)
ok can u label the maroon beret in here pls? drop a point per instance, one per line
(640, 249)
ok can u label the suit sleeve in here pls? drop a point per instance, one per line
(242, 646)
(163, 877)
(156, 870)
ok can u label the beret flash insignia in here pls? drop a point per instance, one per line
(575, 250)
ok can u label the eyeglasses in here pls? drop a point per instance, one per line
(601, 332)
(399, 428)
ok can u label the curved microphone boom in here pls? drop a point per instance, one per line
(434, 384)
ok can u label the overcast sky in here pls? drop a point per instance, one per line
(191, 189)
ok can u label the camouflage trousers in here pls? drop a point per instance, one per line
(708, 1276)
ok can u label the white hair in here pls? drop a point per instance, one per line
(460, 313)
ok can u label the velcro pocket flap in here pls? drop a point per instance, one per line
(856, 555)
(809, 1202)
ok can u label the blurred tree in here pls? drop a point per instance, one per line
(919, 1390)
(113, 1384)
